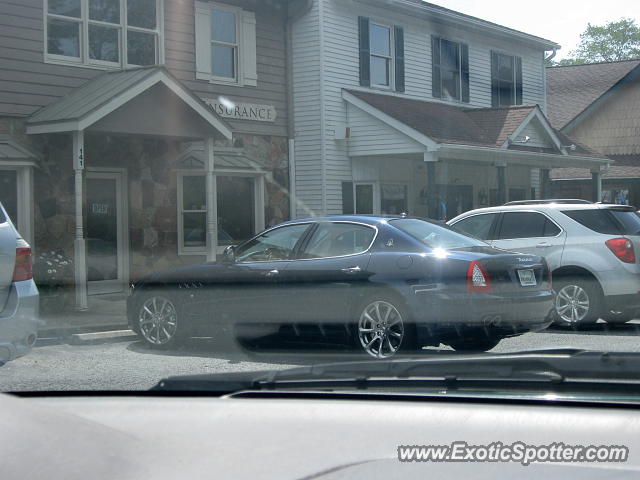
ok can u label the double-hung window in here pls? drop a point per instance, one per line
(449, 69)
(225, 44)
(381, 55)
(381, 58)
(506, 80)
(103, 33)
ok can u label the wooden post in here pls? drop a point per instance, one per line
(79, 249)
(212, 202)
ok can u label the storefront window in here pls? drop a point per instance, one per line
(236, 209)
(393, 199)
(364, 199)
(236, 203)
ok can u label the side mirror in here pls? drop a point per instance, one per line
(230, 254)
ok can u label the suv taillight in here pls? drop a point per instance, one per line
(623, 249)
(23, 269)
(477, 278)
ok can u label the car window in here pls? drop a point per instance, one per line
(477, 225)
(2, 217)
(277, 244)
(338, 239)
(526, 225)
(607, 221)
(435, 236)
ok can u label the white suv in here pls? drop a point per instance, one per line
(590, 248)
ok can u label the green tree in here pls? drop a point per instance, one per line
(614, 41)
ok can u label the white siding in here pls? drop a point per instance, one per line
(306, 91)
(538, 136)
(319, 78)
(370, 136)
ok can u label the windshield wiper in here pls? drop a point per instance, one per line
(558, 370)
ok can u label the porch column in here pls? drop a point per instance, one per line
(79, 252)
(212, 203)
(501, 168)
(596, 184)
(430, 160)
(544, 183)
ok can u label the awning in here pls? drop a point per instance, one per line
(225, 158)
(519, 134)
(147, 100)
(14, 153)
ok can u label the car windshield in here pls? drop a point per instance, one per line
(230, 186)
(435, 236)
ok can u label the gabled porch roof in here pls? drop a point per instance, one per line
(482, 134)
(112, 92)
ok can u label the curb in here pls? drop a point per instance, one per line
(102, 337)
(74, 335)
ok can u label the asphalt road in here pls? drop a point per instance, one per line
(129, 365)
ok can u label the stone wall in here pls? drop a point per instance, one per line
(152, 191)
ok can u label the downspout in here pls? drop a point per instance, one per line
(551, 56)
(296, 9)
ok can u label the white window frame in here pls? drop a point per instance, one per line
(258, 207)
(237, 13)
(445, 96)
(123, 28)
(513, 77)
(245, 46)
(24, 192)
(390, 58)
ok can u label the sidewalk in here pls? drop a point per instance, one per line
(106, 312)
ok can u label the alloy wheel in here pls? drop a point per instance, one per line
(158, 320)
(572, 304)
(380, 329)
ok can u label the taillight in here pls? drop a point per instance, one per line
(623, 249)
(477, 278)
(23, 269)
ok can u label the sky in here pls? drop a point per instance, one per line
(561, 21)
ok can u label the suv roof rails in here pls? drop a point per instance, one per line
(548, 201)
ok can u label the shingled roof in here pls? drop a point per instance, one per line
(571, 89)
(449, 124)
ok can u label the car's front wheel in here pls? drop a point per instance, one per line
(383, 328)
(578, 301)
(157, 320)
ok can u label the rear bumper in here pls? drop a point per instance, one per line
(630, 302)
(19, 321)
(446, 317)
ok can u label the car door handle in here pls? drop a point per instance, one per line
(543, 245)
(351, 270)
(272, 273)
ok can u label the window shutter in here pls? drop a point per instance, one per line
(518, 67)
(347, 198)
(398, 35)
(495, 86)
(203, 42)
(248, 49)
(363, 39)
(464, 71)
(436, 83)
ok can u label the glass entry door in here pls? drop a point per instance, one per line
(104, 233)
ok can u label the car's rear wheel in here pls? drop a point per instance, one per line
(383, 328)
(474, 344)
(578, 301)
(157, 320)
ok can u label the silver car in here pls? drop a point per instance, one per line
(591, 250)
(18, 293)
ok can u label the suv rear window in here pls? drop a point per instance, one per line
(607, 221)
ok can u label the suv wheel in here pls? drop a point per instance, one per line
(578, 301)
